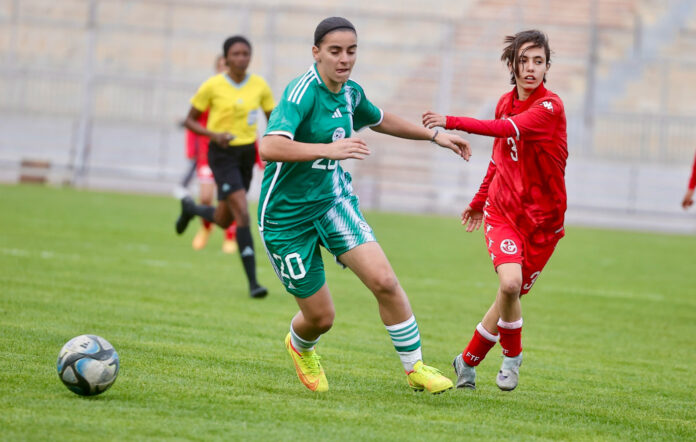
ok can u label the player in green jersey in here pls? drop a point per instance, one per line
(307, 201)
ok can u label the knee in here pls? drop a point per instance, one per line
(324, 322)
(240, 212)
(385, 283)
(222, 221)
(511, 287)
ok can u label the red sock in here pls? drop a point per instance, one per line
(479, 346)
(206, 224)
(231, 232)
(510, 337)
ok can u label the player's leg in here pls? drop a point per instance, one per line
(370, 264)
(236, 203)
(238, 181)
(484, 339)
(501, 241)
(315, 318)
(510, 324)
(536, 254)
(229, 244)
(296, 259)
(181, 190)
(217, 168)
(205, 195)
(346, 234)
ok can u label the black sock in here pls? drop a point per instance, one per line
(205, 212)
(246, 251)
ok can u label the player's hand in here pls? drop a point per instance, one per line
(222, 138)
(431, 119)
(347, 148)
(474, 218)
(454, 142)
(688, 200)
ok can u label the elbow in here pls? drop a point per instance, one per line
(265, 150)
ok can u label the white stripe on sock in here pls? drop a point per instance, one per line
(401, 325)
(486, 334)
(510, 325)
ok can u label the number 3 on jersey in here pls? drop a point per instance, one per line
(294, 265)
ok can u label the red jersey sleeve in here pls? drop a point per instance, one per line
(536, 122)
(692, 181)
(539, 121)
(491, 128)
(482, 195)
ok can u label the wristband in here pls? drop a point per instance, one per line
(432, 139)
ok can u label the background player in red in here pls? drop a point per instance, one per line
(197, 148)
(688, 200)
(521, 202)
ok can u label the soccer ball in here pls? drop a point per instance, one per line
(87, 365)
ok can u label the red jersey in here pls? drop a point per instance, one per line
(197, 145)
(692, 181)
(526, 176)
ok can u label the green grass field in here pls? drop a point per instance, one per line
(609, 333)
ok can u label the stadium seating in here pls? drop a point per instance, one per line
(150, 56)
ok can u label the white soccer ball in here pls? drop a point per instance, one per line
(88, 365)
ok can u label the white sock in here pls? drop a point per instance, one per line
(301, 345)
(406, 339)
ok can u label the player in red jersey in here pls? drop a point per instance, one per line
(521, 202)
(688, 200)
(197, 148)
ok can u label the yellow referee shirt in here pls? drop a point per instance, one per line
(234, 106)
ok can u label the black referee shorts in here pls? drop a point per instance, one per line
(232, 167)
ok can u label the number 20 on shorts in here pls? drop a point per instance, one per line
(293, 263)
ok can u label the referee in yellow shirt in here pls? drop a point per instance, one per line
(233, 99)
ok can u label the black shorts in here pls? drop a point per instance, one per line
(232, 167)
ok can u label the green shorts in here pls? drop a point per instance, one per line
(295, 253)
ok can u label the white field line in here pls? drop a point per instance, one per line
(58, 256)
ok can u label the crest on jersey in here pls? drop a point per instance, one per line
(508, 247)
(548, 105)
(339, 134)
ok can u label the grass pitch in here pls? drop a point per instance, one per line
(609, 333)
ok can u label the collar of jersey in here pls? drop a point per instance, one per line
(321, 82)
(234, 83)
(539, 92)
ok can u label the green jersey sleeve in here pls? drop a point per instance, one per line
(292, 109)
(365, 114)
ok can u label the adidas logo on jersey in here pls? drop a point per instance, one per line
(290, 286)
(337, 114)
(548, 105)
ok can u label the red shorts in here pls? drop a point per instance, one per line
(506, 244)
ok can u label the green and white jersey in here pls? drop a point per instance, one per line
(299, 192)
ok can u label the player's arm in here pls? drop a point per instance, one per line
(396, 126)
(688, 199)
(473, 214)
(192, 124)
(534, 122)
(275, 147)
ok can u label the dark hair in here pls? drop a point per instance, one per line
(511, 54)
(232, 40)
(331, 24)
